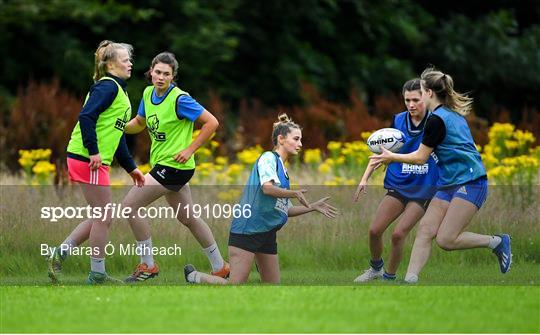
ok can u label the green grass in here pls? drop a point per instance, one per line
(459, 291)
(285, 309)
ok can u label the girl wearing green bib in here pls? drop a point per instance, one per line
(169, 115)
(95, 140)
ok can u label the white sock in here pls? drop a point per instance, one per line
(145, 248)
(494, 242)
(66, 247)
(411, 278)
(194, 277)
(97, 264)
(214, 256)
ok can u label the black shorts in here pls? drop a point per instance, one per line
(173, 179)
(424, 203)
(262, 243)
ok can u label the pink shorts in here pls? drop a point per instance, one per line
(81, 173)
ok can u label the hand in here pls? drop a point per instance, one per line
(362, 188)
(138, 177)
(300, 196)
(183, 156)
(323, 207)
(384, 157)
(95, 162)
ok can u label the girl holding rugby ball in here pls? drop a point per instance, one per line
(462, 184)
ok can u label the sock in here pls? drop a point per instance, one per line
(194, 277)
(97, 264)
(411, 278)
(214, 256)
(389, 276)
(145, 248)
(66, 247)
(376, 265)
(494, 242)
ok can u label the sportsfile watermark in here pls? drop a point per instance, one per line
(119, 211)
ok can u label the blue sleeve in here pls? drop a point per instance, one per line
(123, 156)
(102, 94)
(188, 108)
(393, 125)
(141, 112)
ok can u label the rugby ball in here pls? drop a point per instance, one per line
(390, 138)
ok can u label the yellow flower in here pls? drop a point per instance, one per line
(214, 144)
(222, 160)
(365, 135)
(43, 168)
(333, 146)
(340, 160)
(312, 156)
(249, 156)
(325, 168)
(511, 145)
(234, 170)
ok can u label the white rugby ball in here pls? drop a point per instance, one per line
(390, 138)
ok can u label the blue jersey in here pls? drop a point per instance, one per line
(186, 106)
(410, 180)
(267, 212)
(459, 161)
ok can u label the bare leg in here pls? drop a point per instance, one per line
(451, 235)
(427, 230)
(241, 263)
(197, 226)
(81, 233)
(268, 268)
(389, 209)
(98, 196)
(139, 197)
(412, 213)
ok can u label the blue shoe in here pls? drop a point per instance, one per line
(504, 253)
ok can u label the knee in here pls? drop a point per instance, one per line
(445, 243)
(398, 236)
(426, 233)
(375, 233)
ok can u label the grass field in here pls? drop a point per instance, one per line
(299, 309)
(458, 291)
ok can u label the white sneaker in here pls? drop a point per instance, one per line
(411, 278)
(369, 274)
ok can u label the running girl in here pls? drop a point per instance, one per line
(169, 114)
(462, 181)
(410, 189)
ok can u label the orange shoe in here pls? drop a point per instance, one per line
(223, 272)
(142, 273)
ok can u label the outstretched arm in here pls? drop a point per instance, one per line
(322, 206)
(135, 125)
(372, 166)
(270, 189)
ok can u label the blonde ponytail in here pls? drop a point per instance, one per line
(443, 86)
